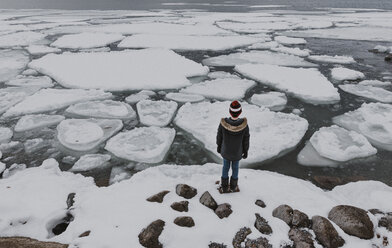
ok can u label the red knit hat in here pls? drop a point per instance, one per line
(235, 109)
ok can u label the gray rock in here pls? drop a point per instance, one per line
(375, 211)
(186, 191)
(207, 200)
(353, 221)
(223, 210)
(149, 236)
(85, 234)
(285, 213)
(216, 245)
(386, 222)
(300, 219)
(260, 203)
(184, 221)
(262, 225)
(257, 243)
(240, 236)
(158, 197)
(20, 242)
(181, 206)
(388, 58)
(326, 234)
(70, 200)
(301, 238)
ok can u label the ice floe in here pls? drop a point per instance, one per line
(13, 169)
(20, 39)
(156, 113)
(41, 82)
(29, 72)
(184, 97)
(220, 74)
(264, 45)
(86, 134)
(54, 99)
(290, 50)
(234, 88)
(253, 27)
(273, 134)
(86, 40)
(42, 49)
(342, 74)
(284, 40)
(13, 95)
(369, 92)
(143, 144)
(142, 95)
(90, 162)
(102, 109)
(375, 83)
(5, 135)
(12, 62)
(332, 59)
(30, 122)
(90, 70)
(307, 84)
(275, 101)
(381, 49)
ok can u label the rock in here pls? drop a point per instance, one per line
(185, 221)
(207, 200)
(20, 242)
(223, 210)
(181, 206)
(300, 219)
(326, 234)
(257, 243)
(388, 58)
(285, 213)
(375, 211)
(149, 236)
(85, 234)
(352, 220)
(216, 245)
(329, 182)
(186, 191)
(262, 225)
(386, 222)
(260, 203)
(70, 200)
(240, 236)
(158, 197)
(301, 238)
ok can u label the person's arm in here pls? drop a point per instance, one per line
(245, 143)
(219, 138)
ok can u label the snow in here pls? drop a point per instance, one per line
(13, 95)
(341, 74)
(12, 62)
(41, 82)
(309, 84)
(156, 113)
(273, 134)
(338, 144)
(373, 120)
(20, 39)
(257, 57)
(90, 162)
(86, 134)
(41, 49)
(102, 109)
(143, 144)
(30, 122)
(13, 169)
(375, 83)
(54, 99)
(90, 70)
(332, 59)
(2, 165)
(275, 101)
(86, 40)
(369, 92)
(234, 88)
(182, 43)
(5, 135)
(289, 50)
(183, 97)
(284, 40)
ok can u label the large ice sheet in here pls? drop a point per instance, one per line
(20, 39)
(13, 95)
(40, 82)
(143, 144)
(275, 101)
(130, 70)
(341, 74)
(258, 57)
(54, 99)
(86, 40)
(156, 113)
(12, 62)
(221, 88)
(273, 134)
(309, 84)
(332, 59)
(90, 162)
(369, 92)
(30, 122)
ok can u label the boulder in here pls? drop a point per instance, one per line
(207, 200)
(184, 221)
(21, 242)
(257, 243)
(386, 222)
(260, 203)
(216, 245)
(240, 236)
(375, 211)
(262, 225)
(285, 213)
(329, 182)
(85, 234)
(149, 236)
(353, 221)
(181, 206)
(223, 210)
(70, 200)
(388, 58)
(300, 219)
(158, 197)
(186, 191)
(326, 234)
(301, 238)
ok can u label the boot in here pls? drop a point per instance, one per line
(224, 188)
(234, 185)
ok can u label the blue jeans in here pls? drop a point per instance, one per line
(226, 167)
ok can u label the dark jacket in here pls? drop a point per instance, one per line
(233, 138)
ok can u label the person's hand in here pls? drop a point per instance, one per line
(245, 155)
(218, 149)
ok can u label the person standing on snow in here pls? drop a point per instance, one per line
(233, 144)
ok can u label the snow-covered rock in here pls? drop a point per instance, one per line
(20, 39)
(54, 99)
(309, 84)
(144, 144)
(12, 62)
(156, 113)
(369, 92)
(184, 97)
(41, 49)
(275, 101)
(168, 70)
(5, 135)
(373, 120)
(107, 109)
(221, 89)
(284, 40)
(30, 122)
(332, 59)
(86, 134)
(290, 50)
(41, 82)
(273, 134)
(375, 83)
(13, 95)
(341, 74)
(86, 40)
(90, 162)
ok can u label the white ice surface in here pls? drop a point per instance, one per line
(13, 95)
(220, 74)
(275, 101)
(143, 144)
(284, 40)
(41, 82)
(130, 70)
(12, 62)
(86, 40)
(341, 74)
(184, 97)
(134, 98)
(309, 84)
(254, 27)
(264, 45)
(5, 135)
(369, 92)
(41, 49)
(332, 59)
(20, 39)
(90, 162)
(308, 156)
(290, 50)
(156, 113)
(375, 83)
(30, 122)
